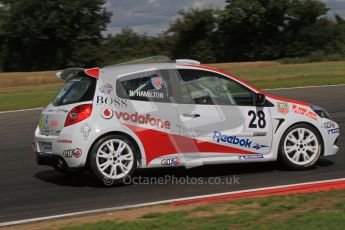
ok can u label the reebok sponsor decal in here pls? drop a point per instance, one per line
(219, 137)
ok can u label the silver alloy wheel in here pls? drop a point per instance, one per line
(301, 146)
(114, 159)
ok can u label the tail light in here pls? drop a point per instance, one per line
(78, 114)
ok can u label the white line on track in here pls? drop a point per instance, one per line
(20, 110)
(306, 87)
(25, 221)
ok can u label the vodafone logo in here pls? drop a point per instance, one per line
(145, 119)
(106, 113)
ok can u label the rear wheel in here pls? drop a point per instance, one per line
(113, 159)
(300, 146)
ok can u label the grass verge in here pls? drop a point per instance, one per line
(324, 210)
(36, 89)
(313, 211)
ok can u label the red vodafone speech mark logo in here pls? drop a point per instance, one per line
(107, 113)
(143, 119)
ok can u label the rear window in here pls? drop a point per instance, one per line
(78, 89)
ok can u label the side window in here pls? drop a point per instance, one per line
(146, 86)
(207, 88)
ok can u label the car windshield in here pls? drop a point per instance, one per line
(78, 89)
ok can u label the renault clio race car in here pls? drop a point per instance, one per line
(153, 113)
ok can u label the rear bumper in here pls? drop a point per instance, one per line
(53, 150)
(50, 160)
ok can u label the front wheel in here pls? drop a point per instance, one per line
(113, 159)
(300, 147)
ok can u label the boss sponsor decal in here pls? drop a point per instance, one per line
(219, 137)
(250, 157)
(72, 153)
(64, 141)
(107, 113)
(283, 107)
(145, 119)
(302, 111)
(146, 94)
(157, 81)
(171, 161)
(85, 130)
(107, 89)
(117, 102)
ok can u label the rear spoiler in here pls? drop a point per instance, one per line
(70, 73)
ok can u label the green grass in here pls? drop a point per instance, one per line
(38, 89)
(27, 98)
(307, 211)
(276, 75)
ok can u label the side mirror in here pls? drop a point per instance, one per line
(260, 99)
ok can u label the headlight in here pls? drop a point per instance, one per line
(320, 111)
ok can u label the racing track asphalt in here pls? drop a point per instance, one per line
(30, 191)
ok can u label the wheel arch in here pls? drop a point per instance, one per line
(310, 124)
(138, 152)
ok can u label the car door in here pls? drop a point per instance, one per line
(150, 113)
(219, 114)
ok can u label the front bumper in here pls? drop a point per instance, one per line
(330, 137)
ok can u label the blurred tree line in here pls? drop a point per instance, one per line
(46, 34)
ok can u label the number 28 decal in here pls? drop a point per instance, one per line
(254, 122)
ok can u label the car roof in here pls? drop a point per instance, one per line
(119, 70)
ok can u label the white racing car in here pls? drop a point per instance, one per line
(159, 113)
